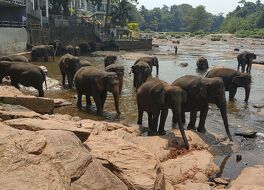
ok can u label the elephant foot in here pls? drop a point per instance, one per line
(152, 133)
(201, 130)
(190, 127)
(163, 132)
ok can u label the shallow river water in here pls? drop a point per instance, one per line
(241, 115)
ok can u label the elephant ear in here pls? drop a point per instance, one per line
(236, 81)
(133, 68)
(156, 61)
(184, 96)
(203, 91)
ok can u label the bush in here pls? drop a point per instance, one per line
(259, 33)
(216, 38)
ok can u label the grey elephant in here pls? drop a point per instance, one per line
(202, 63)
(42, 51)
(4, 68)
(200, 92)
(27, 75)
(141, 72)
(69, 65)
(156, 97)
(232, 80)
(14, 58)
(245, 59)
(90, 81)
(77, 51)
(59, 49)
(70, 49)
(110, 59)
(152, 61)
(120, 71)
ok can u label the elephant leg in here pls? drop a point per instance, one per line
(150, 117)
(41, 92)
(14, 83)
(63, 79)
(69, 78)
(163, 117)
(191, 125)
(140, 115)
(203, 115)
(79, 100)
(154, 123)
(103, 98)
(243, 67)
(88, 101)
(183, 117)
(98, 103)
(232, 93)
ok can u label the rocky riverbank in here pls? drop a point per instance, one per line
(41, 151)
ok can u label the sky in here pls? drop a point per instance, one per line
(212, 6)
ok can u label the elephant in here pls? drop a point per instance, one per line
(152, 61)
(14, 58)
(90, 81)
(85, 47)
(110, 59)
(42, 51)
(243, 59)
(77, 51)
(200, 92)
(69, 65)
(27, 75)
(202, 63)
(232, 80)
(119, 70)
(4, 68)
(70, 49)
(141, 72)
(156, 97)
(59, 49)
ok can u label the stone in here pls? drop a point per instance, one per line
(236, 49)
(48, 124)
(97, 177)
(8, 112)
(183, 64)
(221, 181)
(251, 178)
(133, 164)
(59, 102)
(246, 134)
(193, 186)
(187, 166)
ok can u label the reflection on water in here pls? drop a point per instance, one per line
(240, 114)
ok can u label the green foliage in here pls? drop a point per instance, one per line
(216, 37)
(258, 33)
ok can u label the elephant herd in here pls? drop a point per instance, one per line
(186, 94)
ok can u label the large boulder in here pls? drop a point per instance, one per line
(251, 178)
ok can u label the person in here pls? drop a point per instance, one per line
(175, 49)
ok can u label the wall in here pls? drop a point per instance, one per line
(12, 40)
(142, 44)
(12, 13)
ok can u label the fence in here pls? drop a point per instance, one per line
(17, 2)
(12, 24)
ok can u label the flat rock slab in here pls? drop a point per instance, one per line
(39, 124)
(11, 95)
(8, 111)
(61, 102)
(251, 178)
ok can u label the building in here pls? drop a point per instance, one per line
(13, 34)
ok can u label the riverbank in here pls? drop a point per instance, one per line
(40, 151)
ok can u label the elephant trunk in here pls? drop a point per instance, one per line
(247, 92)
(116, 98)
(177, 114)
(224, 116)
(157, 69)
(120, 83)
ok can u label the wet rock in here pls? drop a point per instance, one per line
(133, 164)
(221, 181)
(186, 167)
(8, 112)
(258, 62)
(249, 179)
(236, 49)
(258, 105)
(246, 134)
(11, 95)
(155, 45)
(97, 177)
(39, 124)
(221, 149)
(183, 64)
(61, 102)
(53, 84)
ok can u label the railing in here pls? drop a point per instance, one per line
(12, 24)
(35, 13)
(17, 2)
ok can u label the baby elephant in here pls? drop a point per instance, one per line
(156, 97)
(151, 61)
(141, 72)
(245, 58)
(109, 60)
(14, 58)
(232, 80)
(27, 75)
(69, 65)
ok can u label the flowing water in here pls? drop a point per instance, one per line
(241, 115)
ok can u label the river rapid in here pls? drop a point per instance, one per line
(241, 115)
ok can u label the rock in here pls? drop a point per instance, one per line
(155, 45)
(193, 186)
(246, 134)
(97, 177)
(53, 84)
(61, 102)
(221, 149)
(251, 178)
(221, 181)
(39, 124)
(258, 62)
(133, 164)
(8, 112)
(183, 64)
(236, 49)
(11, 95)
(202, 63)
(186, 167)
(258, 105)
